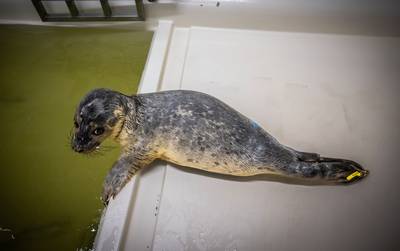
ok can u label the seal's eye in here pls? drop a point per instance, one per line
(76, 124)
(98, 131)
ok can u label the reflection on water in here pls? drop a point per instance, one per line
(50, 196)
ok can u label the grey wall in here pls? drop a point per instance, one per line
(18, 10)
(334, 16)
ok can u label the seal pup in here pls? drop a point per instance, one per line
(192, 129)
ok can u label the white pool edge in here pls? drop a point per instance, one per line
(112, 227)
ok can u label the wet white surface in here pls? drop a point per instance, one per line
(331, 94)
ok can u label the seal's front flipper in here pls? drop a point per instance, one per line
(116, 179)
(121, 172)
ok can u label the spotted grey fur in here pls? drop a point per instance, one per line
(191, 129)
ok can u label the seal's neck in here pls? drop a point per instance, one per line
(125, 113)
(119, 126)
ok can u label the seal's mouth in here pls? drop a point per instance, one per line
(85, 149)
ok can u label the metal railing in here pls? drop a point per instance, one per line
(76, 15)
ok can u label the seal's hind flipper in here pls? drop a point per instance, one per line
(340, 171)
(307, 157)
(344, 171)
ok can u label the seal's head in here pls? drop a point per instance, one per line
(99, 115)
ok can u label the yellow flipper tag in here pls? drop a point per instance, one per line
(351, 176)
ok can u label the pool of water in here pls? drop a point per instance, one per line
(50, 196)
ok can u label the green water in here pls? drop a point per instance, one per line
(49, 196)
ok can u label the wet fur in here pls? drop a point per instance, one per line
(195, 130)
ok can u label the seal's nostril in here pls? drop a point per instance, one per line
(77, 148)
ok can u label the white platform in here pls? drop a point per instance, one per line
(332, 94)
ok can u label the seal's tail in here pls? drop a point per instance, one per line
(330, 169)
